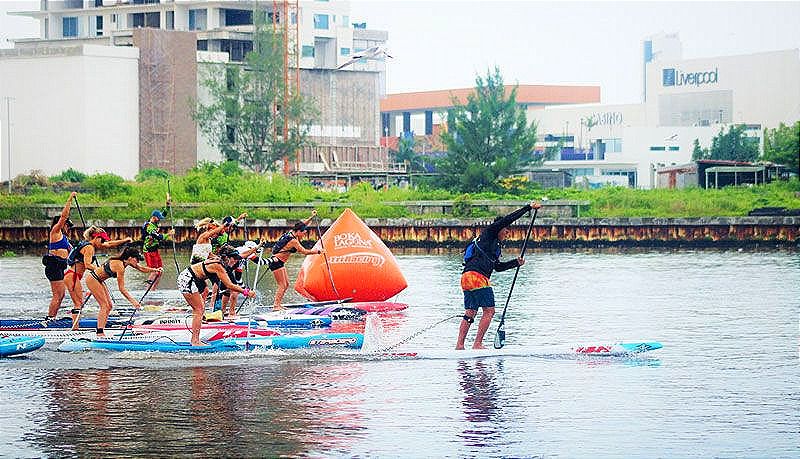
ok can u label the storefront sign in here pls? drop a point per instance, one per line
(675, 77)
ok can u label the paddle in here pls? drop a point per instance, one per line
(130, 319)
(172, 225)
(255, 279)
(77, 319)
(500, 336)
(246, 265)
(330, 274)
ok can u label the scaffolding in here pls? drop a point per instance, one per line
(157, 99)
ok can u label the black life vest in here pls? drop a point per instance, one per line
(473, 249)
(75, 255)
(281, 242)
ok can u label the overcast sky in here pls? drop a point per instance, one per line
(442, 44)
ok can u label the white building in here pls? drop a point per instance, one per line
(60, 107)
(78, 95)
(684, 100)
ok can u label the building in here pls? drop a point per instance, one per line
(424, 114)
(684, 100)
(121, 74)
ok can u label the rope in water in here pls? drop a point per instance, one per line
(417, 333)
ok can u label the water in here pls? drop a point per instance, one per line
(724, 385)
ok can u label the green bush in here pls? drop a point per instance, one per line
(69, 175)
(107, 185)
(152, 173)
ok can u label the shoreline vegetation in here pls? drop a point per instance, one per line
(221, 189)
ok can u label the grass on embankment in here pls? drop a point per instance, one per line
(224, 187)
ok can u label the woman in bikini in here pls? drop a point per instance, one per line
(114, 267)
(284, 247)
(55, 261)
(81, 258)
(192, 284)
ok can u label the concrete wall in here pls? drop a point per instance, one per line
(73, 106)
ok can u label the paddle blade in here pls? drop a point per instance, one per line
(500, 337)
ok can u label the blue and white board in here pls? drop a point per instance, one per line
(280, 319)
(15, 345)
(329, 340)
(157, 345)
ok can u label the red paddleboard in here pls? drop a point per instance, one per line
(361, 265)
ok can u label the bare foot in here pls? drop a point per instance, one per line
(101, 336)
(278, 308)
(478, 346)
(459, 348)
(198, 343)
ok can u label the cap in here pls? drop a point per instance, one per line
(69, 223)
(157, 213)
(228, 220)
(250, 245)
(228, 251)
(102, 235)
(300, 226)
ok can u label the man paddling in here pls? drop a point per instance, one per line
(482, 257)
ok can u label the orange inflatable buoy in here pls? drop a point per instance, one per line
(361, 265)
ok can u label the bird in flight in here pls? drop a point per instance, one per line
(376, 52)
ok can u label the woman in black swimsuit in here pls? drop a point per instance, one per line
(284, 247)
(192, 284)
(114, 267)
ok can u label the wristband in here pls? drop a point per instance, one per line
(246, 291)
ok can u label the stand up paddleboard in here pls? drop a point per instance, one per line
(340, 340)
(16, 345)
(628, 349)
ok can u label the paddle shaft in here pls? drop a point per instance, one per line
(516, 272)
(130, 319)
(330, 274)
(172, 225)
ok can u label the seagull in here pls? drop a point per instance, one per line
(376, 52)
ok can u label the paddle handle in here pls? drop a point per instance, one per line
(325, 256)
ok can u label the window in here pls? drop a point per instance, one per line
(674, 148)
(345, 51)
(613, 145)
(308, 51)
(69, 26)
(346, 21)
(192, 19)
(657, 148)
(98, 24)
(321, 21)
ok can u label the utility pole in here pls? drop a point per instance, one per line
(8, 139)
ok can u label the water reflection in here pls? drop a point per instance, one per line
(280, 408)
(481, 408)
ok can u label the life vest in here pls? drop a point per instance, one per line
(281, 242)
(473, 249)
(75, 254)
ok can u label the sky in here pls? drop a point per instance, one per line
(445, 44)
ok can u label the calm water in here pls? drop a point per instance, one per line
(725, 384)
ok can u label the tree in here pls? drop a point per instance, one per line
(699, 152)
(782, 146)
(405, 154)
(733, 145)
(247, 118)
(488, 139)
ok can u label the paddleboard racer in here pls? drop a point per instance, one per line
(481, 258)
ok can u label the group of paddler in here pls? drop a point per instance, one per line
(213, 259)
